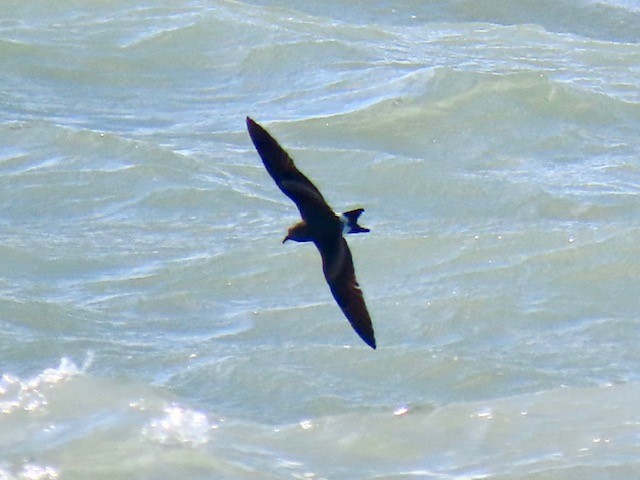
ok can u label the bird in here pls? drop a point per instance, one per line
(319, 225)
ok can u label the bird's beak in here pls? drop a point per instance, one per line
(286, 238)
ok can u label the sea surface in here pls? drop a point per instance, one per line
(153, 325)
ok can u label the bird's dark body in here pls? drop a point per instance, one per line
(321, 226)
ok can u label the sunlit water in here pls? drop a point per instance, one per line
(152, 325)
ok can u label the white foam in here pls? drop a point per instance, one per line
(29, 471)
(38, 472)
(31, 394)
(179, 426)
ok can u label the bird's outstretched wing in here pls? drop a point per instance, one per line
(292, 182)
(337, 265)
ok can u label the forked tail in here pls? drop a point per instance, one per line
(350, 221)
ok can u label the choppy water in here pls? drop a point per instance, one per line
(153, 326)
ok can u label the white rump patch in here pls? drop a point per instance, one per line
(345, 224)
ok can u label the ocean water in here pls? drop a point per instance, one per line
(152, 325)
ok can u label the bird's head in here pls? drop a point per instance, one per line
(298, 233)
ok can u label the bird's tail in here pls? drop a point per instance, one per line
(350, 221)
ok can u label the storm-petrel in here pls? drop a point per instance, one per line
(321, 226)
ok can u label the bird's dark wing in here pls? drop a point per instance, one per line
(291, 181)
(337, 265)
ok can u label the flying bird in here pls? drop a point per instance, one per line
(321, 226)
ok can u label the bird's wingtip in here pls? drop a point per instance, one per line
(371, 341)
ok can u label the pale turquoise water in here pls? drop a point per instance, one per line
(152, 325)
